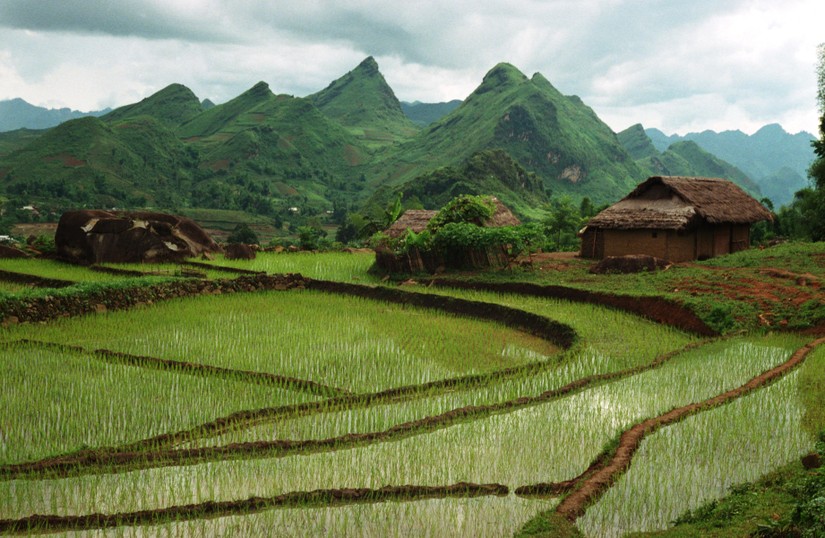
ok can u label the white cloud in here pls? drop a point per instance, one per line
(673, 65)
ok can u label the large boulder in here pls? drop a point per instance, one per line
(93, 236)
(239, 251)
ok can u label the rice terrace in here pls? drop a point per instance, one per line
(299, 394)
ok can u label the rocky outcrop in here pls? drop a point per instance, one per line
(93, 236)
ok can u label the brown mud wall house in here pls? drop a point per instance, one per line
(675, 218)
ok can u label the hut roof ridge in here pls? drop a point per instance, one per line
(715, 200)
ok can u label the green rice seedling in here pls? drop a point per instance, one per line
(170, 270)
(811, 390)
(53, 269)
(685, 465)
(481, 516)
(341, 266)
(522, 447)
(574, 365)
(54, 402)
(12, 288)
(641, 340)
(339, 341)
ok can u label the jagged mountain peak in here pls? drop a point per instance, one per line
(368, 66)
(172, 106)
(500, 77)
(363, 101)
(261, 89)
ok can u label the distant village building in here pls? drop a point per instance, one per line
(675, 218)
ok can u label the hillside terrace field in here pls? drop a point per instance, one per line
(192, 400)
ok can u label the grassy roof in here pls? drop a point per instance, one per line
(676, 202)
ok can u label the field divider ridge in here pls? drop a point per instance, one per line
(588, 487)
(34, 280)
(192, 368)
(144, 455)
(553, 331)
(212, 509)
(657, 309)
(223, 268)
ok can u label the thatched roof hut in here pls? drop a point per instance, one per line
(416, 261)
(502, 216)
(675, 218)
(417, 220)
(690, 200)
(412, 219)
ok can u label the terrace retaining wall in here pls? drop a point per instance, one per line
(37, 309)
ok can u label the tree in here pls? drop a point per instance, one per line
(310, 237)
(817, 170)
(243, 234)
(806, 215)
(586, 208)
(564, 221)
(813, 205)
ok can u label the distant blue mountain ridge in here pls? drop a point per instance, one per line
(774, 159)
(18, 114)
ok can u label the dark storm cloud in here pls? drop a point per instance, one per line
(144, 19)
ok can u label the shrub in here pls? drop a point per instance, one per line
(243, 234)
(466, 208)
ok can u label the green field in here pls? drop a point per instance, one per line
(307, 413)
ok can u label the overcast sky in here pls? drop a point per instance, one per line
(678, 65)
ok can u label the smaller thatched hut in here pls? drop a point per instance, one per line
(502, 216)
(412, 219)
(676, 219)
(413, 260)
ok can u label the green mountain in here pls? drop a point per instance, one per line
(364, 103)
(93, 163)
(637, 143)
(285, 147)
(172, 106)
(488, 171)
(343, 148)
(423, 114)
(688, 159)
(774, 159)
(682, 158)
(13, 140)
(557, 137)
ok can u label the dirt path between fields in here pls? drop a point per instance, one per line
(598, 479)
